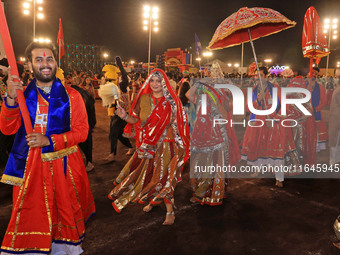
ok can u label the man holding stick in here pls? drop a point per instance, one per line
(52, 200)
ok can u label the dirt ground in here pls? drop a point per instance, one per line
(255, 218)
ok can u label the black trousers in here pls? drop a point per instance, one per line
(86, 147)
(117, 126)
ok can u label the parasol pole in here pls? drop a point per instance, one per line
(149, 46)
(311, 68)
(242, 53)
(329, 46)
(257, 65)
(310, 71)
(59, 52)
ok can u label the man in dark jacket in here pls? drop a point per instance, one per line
(86, 146)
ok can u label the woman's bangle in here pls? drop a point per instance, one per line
(126, 117)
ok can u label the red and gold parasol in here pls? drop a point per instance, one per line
(261, 22)
(246, 25)
(314, 43)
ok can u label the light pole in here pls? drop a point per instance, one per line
(268, 61)
(106, 56)
(330, 27)
(237, 67)
(42, 40)
(207, 54)
(150, 15)
(199, 62)
(36, 6)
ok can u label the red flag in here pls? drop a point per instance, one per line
(60, 40)
(6, 39)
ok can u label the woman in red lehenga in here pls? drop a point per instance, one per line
(162, 140)
(266, 142)
(211, 145)
(305, 133)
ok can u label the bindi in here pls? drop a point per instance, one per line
(44, 54)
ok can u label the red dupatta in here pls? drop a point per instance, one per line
(148, 135)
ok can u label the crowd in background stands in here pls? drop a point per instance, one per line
(90, 82)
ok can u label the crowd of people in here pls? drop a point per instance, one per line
(164, 113)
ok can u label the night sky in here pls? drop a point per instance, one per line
(117, 26)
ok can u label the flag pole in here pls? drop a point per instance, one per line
(59, 52)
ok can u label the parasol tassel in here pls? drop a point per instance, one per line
(6, 39)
